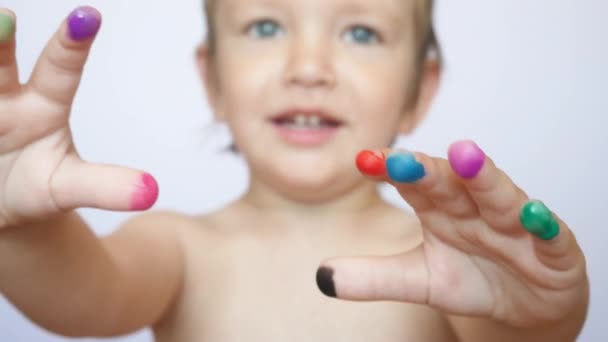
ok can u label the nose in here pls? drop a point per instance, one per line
(310, 63)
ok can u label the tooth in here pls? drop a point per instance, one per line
(314, 121)
(300, 120)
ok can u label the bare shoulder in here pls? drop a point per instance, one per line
(158, 218)
(188, 234)
(164, 223)
(158, 234)
(150, 254)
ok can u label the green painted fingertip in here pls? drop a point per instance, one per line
(7, 27)
(535, 216)
(537, 219)
(551, 231)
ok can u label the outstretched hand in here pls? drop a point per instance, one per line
(488, 251)
(41, 173)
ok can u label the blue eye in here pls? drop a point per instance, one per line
(363, 35)
(264, 29)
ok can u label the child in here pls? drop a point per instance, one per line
(304, 86)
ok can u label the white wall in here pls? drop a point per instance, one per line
(525, 79)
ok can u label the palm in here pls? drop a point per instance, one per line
(476, 258)
(29, 115)
(491, 274)
(40, 171)
(29, 170)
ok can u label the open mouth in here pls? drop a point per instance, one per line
(306, 127)
(306, 121)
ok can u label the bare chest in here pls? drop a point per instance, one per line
(265, 296)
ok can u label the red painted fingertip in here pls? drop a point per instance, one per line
(146, 194)
(371, 163)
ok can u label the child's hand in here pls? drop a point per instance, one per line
(488, 250)
(40, 171)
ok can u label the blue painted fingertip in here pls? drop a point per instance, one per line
(404, 168)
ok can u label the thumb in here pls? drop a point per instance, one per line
(402, 277)
(78, 184)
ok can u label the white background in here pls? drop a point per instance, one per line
(525, 79)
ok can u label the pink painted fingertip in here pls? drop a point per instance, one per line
(466, 158)
(146, 193)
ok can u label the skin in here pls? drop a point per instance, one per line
(311, 63)
(246, 272)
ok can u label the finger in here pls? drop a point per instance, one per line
(59, 68)
(9, 79)
(498, 199)
(433, 178)
(373, 165)
(402, 278)
(537, 219)
(555, 245)
(503, 204)
(441, 280)
(418, 175)
(77, 184)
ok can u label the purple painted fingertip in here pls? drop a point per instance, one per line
(466, 158)
(83, 23)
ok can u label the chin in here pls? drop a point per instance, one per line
(306, 175)
(311, 183)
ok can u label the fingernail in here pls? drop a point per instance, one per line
(83, 23)
(325, 281)
(537, 219)
(371, 163)
(7, 27)
(146, 194)
(404, 168)
(466, 158)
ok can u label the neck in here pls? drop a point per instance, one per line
(341, 207)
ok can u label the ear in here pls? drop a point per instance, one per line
(206, 69)
(429, 83)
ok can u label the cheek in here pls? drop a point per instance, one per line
(383, 98)
(245, 80)
(381, 84)
(381, 101)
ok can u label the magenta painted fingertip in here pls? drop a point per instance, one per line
(83, 23)
(466, 158)
(145, 194)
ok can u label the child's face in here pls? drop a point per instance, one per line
(352, 62)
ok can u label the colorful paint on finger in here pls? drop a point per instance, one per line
(371, 163)
(83, 23)
(404, 168)
(7, 27)
(146, 193)
(537, 219)
(466, 158)
(325, 281)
